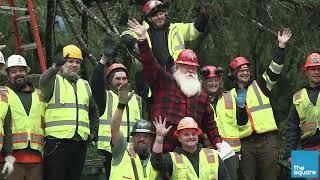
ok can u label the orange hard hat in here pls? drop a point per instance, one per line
(187, 123)
(187, 57)
(312, 60)
(115, 66)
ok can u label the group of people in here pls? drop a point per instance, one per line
(197, 129)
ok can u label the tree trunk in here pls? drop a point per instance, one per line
(49, 30)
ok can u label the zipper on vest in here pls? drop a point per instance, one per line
(77, 105)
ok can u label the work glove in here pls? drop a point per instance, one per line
(241, 97)
(59, 59)
(8, 165)
(109, 48)
(123, 93)
(225, 151)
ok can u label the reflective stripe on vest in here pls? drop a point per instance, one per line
(208, 165)
(58, 103)
(66, 123)
(228, 100)
(68, 109)
(261, 105)
(179, 46)
(179, 34)
(3, 112)
(259, 111)
(104, 133)
(124, 169)
(227, 120)
(233, 142)
(23, 137)
(308, 113)
(208, 152)
(27, 128)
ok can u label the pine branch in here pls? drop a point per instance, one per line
(103, 8)
(260, 25)
(75, 31)
(93, 17)
(303, 4)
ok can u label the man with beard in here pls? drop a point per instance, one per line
(176, 95)
(304, 115)
(130, 160)
(71, 117)
(26, 111)
(105, 84)
(221, 102)
(167, 40)
(254, 115)
(189, 160)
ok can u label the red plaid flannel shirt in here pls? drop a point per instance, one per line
(170, 102)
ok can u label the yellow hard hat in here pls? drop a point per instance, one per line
(72, 51)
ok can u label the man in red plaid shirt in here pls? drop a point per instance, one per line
(176, 95)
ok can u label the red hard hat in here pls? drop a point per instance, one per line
(150, 5)
(238, 62)
(312, 60)
(115, 66)
(188, 57)
(212, 70)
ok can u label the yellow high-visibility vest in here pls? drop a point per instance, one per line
(27, 128)
(124, 170)
(259, 110)
(179, 33)
(65, 107)
(135, 112)
(208, 166)
(3, 112)
(309, 114)
(227, 120)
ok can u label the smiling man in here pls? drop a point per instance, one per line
(167, 39)
(176, 95)
(130, 160)
(25, 113)
(304, 114)
(189, 160)
(71, 116)
(252, 111)
(105, 84)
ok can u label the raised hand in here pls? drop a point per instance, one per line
(123, 92)
(284, 37)
(160, 125)
(139, 29)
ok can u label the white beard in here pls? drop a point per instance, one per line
(190, 86)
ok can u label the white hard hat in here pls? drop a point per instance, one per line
(1, 58)
(15, 60)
